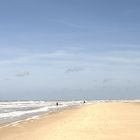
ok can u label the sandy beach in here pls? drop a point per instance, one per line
(100, 121)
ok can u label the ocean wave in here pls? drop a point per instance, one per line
(16, 109)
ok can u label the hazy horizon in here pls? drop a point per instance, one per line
(66, 50)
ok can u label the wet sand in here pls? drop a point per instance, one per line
(100, 121)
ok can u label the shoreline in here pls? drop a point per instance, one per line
(34, 117)
(98, 121)
(40, 115)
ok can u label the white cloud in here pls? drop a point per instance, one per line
(75, 69)
(66, 57)
(23, 74)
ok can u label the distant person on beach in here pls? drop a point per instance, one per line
(84, 102)
(57, 104)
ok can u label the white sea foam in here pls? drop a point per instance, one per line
(13, 111)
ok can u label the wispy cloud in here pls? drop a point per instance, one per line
(67, 22)
(75, 69)
(106, 80)
(23, 74)
(80, 58)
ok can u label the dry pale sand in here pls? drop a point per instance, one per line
(101, 121)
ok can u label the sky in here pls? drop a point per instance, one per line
(69, 49)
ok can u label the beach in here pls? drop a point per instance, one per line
(97, 121)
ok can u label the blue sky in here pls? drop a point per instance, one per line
(69, 49)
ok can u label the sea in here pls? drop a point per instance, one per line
(15, 111)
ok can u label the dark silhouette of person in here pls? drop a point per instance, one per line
(57, 104)
(84, 102)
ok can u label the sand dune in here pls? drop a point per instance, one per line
(101, 121)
